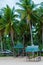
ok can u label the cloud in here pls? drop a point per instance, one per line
(12, 3)
(37, 1)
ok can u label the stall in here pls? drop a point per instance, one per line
(33, 53)
(19, 46)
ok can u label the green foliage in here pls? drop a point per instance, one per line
(15, 29)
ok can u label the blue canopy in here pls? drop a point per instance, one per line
(19, 45)
(32, 49)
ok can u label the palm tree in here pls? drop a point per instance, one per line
(40, 15)
(2, 26)
(9, 17)
(39, 24)
(41, 18)
(27, 11)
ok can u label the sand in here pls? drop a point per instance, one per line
(18, 61)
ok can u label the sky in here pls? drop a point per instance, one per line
(12, 3)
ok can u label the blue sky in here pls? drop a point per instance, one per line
(12, 3)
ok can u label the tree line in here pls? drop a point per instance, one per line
(24, 24)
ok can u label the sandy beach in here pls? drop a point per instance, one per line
(18, 61)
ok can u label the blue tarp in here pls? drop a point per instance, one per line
(6, 51)
(32, 49)
(19, 45)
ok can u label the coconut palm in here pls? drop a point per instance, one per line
(9, 17)
(2, 26)
(41, 18)
(27, 11)
(40, 23)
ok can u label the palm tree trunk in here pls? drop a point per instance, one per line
(1, 42)
(23, 39)
(30, 32)
(12, 40)
(42, 36)
(23, 44)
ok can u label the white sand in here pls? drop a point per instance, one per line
(18, 61)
